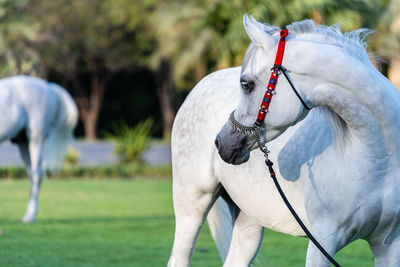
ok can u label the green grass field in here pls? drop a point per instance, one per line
(123, 222)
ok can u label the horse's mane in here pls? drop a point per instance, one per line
(354, 41)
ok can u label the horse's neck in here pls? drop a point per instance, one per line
(370, 110)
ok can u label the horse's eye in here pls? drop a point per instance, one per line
(247, 86)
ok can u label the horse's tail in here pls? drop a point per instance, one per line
(220, 222)
(62, 134)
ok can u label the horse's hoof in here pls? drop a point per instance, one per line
(28, 219)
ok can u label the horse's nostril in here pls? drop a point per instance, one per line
(216, 142)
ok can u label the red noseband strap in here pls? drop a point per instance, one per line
(272, 80)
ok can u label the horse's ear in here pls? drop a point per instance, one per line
(256, 32)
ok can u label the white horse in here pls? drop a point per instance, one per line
(338, 166)
(39, 117)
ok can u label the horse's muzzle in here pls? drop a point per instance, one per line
(232, 148)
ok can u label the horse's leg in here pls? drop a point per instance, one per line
(24, 151)
(191, 206)
(328, 240)
(388, 253)
(246, 241)
(35, 151)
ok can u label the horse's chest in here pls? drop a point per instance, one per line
(388, 224)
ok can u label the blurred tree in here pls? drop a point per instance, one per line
(195, 37)
(87, 41)
(195, 34)
(17, 32)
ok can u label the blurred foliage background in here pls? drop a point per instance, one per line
(134, 59)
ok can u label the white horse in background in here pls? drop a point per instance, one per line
(39, 117)
(337, 164)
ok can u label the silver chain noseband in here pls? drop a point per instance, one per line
(254, 130)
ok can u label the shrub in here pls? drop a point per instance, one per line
(13, 172)
(71, 157)
(131, 170)
(131, 142)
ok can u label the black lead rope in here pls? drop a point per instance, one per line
(299, 221)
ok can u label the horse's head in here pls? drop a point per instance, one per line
(235, 141)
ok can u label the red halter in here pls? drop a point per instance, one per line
(272, 80)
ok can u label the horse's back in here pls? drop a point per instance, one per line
(32, 94)
(26, 86)
(37, 103)
(14, 116)
(198, 121)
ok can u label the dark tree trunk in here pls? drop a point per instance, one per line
(201, 71)
(90, 103)
(167, 96)
(90, 107)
